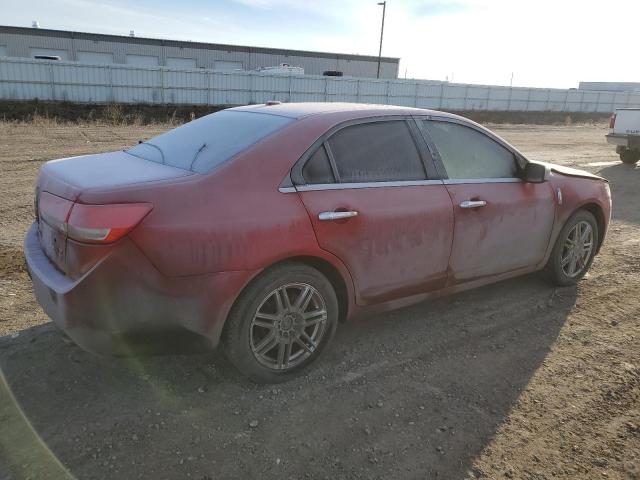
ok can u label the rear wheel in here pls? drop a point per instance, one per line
(281, 323)
(574, 250)
(630, 156)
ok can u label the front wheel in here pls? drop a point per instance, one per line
(281, 323)
(574, 249)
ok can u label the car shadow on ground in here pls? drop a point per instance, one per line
(414, 393)
(625, 193)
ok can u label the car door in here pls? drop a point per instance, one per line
(373, 205)
(501, 222)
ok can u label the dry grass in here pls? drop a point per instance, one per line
(107, 115)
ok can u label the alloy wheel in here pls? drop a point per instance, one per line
(288, 326)
(577, 249)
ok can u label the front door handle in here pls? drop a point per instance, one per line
(472, 204)
(329, 216)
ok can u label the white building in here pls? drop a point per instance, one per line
(611, 86)
(115, 49)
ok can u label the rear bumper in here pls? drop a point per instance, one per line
(627, 141)
(123, 304)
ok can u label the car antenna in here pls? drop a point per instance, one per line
(204, 145)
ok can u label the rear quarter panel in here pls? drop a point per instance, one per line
(231, 219)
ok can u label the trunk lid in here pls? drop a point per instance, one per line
(69, 177)
(62, 182)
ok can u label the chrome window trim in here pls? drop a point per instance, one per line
(348, 186)
(406, 183)
(459, 181)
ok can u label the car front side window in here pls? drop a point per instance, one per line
(469, 154)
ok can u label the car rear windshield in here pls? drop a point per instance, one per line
(203, 144)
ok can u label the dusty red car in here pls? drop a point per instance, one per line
(261, 227)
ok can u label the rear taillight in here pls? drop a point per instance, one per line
(612, 121)
(104, 223)
(90, 223)
(54, 210)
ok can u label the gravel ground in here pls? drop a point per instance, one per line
(514, 380)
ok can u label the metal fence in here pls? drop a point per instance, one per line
(26, 79)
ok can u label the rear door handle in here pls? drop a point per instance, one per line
(329, 216)
(472, 204)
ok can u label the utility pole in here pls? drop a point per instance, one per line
(384, 9)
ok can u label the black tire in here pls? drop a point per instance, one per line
(554, 270)
(240, 333)
(630, 156)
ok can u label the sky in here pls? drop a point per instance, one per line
(535, 43)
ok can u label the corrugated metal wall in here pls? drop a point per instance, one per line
(64, 44)
(611, 86)
(25, 79)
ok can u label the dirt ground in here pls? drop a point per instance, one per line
(515, 380)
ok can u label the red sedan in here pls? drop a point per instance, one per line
(261, 227)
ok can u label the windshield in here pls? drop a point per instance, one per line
(203, 144)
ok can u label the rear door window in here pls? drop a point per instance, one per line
(469, 154)
(205, 143)
(318, 168)
(376, 152)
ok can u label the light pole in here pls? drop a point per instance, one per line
(384, 8)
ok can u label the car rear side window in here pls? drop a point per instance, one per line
(469, 154)
(318, 169)
(376, 152)
(205, 143)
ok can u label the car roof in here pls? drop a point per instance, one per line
(332, 113)
(301, 110)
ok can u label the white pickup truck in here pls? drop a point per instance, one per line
(624, 133)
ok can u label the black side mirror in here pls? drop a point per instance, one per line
(534, 173)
